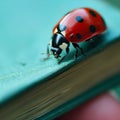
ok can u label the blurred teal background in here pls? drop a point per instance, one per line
(115, 3)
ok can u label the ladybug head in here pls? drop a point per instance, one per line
(58, 44)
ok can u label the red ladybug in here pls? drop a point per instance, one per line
(76, 26)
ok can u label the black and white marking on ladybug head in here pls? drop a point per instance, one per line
(63, 46)
(58, 44)
(61, 27)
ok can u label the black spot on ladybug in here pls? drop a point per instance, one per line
(78, 36)
(71, 36)
(79, 19)
(92, 13)
(61, 27)
(92, 29)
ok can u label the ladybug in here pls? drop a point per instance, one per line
(76, 26)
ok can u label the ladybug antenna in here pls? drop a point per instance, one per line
(48, 52)
(48, 49)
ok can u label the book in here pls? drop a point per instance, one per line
(31, 88)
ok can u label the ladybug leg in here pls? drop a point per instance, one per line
(67, 52)
(92, 40)
(76, 46)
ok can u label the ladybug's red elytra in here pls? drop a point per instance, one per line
(76, 26)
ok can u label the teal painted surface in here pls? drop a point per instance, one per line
(25, 30)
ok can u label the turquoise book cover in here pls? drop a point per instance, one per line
(26, 29)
